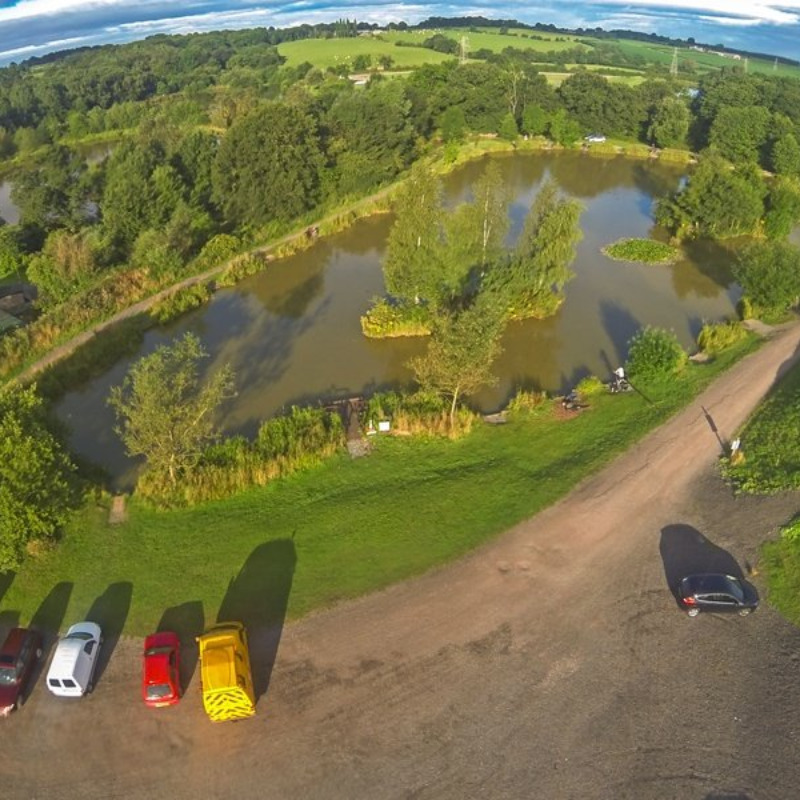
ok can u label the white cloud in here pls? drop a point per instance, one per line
(748, 11)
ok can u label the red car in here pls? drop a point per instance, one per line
(161, 683)
(18, 656)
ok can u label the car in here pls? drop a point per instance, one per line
(594, 138)
(161, 669)
(716, 592)
(71, 672)
(18, 656)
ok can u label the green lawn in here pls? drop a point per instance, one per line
(324, 53)
(487, 40)
(781, 562)
(344, 529)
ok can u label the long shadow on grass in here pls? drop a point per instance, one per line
(258, 597)
(188, 621)
(685, 551)
(8, 619)
(48, 620)
(110, 611)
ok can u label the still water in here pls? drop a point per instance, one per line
(292, 333)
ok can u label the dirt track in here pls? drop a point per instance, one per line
(551, 663)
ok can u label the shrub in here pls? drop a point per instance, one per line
(591, 386)
(385, 320)
(655, 353)
(240, 269)
(644, 250)
(300, 440)
(769, 274)
(423, 413)
(527, 402)
(180, 302)
(718, 336)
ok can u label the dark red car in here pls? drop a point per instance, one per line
(18, 656)
(161, 682)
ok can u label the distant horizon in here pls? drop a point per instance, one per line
(38, 27)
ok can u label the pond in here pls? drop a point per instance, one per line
(292, 333)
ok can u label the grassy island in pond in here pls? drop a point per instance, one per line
(643, 250)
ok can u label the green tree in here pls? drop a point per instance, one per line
(12, 258)
(66, 264)
(782, 208)
(453, 124)
(562, 129)
(464, 345)
(535, 120)
(37, 478)
(769, 274)
(165, 413)
(508, 128)
(669, 123)
(269, 165)
(476, 231)
(785, 155)
(717, 202)
(414, 268)
(533, 278)
(740, 133)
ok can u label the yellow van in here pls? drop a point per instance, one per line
(227, 682)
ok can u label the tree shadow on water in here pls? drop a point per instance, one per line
(188, 621)
(258, 597)
(685, 551)
(110, 611)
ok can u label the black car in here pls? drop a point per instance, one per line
(716, 592)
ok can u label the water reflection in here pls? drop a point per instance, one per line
(292, 333)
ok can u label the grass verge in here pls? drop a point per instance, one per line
(780, 560)
(356, 525)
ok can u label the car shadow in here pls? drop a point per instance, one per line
(258, 597)
(110, 611)
(188, 621)
(685, 551)
(48, 619)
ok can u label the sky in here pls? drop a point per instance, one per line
(34, 27)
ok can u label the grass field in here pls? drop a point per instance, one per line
(487, 40)
(324, 53)
(557, 78)
(349, 527)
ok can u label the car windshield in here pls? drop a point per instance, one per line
(80, 635)
(8, 676)
(157, 651)
(735, 588)
(158, 691)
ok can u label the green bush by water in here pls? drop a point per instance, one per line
(717, 336)
(385, 320)
(655, 353)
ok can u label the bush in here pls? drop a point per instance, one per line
(240, 269)
(300, 440)
(385, 320)
(180, 302)
(527, 402)
(718, 336)
(419, 413)
(590, 386)
(655, 353)
(644, 250)
(769, 274)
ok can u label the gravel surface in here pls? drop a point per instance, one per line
(551, 663)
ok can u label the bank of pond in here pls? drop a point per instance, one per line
(292, 332)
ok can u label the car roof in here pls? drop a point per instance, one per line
(710, 582)
(161, 639)
(156, 668)
(13, 642)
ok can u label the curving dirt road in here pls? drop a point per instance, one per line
(551, 663)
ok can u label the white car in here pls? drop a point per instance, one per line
(72, 669)
(594, 138)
